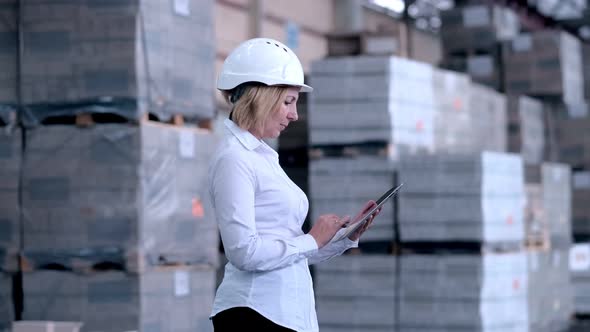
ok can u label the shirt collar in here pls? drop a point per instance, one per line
(248, 140)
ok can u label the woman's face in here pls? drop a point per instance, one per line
(287, 112)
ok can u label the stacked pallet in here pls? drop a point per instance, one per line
(573, 140)
(560, 292)
(580, 207)
(545, 63)
(539, 304)
(116, 197)
(163, 299)
(470, 38)
(10, 163)
(134, 54)
(462, 198)
(526, 130)
(453, 118)
(550, 290)
(357, 293)
(557, 197)
(8, 61)
(117, 232)
(372, 99)
(490, 109)
(471, 292)
(120, 186)
(579, 264)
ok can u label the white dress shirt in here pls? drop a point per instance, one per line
(260, 212)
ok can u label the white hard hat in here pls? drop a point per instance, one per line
(261, 60)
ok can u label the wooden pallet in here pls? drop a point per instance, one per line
(539, 241)
(451, 247)
(351, 151)
(93, 261)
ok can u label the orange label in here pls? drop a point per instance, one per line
(509, 220)
(419, 125)
(197, 208)
(458, 104)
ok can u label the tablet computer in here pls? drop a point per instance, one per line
(346, 231)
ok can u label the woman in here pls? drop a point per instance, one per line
(267, 285)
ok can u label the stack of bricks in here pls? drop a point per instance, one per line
(471, 37)
(117, 231)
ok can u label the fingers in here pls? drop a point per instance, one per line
(368, 206)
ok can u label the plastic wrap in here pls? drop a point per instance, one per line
(450, 197)
(6, 303)
(136, 190)
(477, 292)
(478, 26)
(168, 300)
(547, 63)
(10, 164)
(526, 128)
(157, 57)
(557, 200)
(490, 119)
(572, 136)
(8, 56)
(356, 293)
(579, 264)
(372, 99)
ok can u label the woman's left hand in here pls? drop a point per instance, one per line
(368, 206)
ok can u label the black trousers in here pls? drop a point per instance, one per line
(244, 319)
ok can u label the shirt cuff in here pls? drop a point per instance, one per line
(306, 244)
(350, 243)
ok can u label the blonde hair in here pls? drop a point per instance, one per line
(256, 104)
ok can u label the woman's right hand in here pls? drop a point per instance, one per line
(326, 227)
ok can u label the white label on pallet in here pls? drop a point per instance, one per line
(182, 7)
(181, 283)
(186, 144)
(476, 16)
(580, 257)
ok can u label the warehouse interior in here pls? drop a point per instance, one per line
(109, 117)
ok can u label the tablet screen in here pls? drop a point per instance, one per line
(346, 231)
